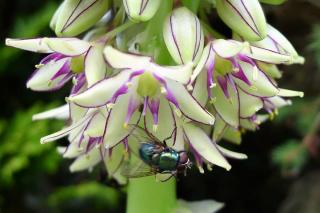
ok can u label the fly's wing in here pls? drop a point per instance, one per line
(143, 135)
(135, 170)
(163, 177)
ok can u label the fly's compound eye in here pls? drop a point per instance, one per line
(183, 158)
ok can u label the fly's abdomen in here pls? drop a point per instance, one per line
(147, 151)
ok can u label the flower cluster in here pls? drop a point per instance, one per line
(161, 68)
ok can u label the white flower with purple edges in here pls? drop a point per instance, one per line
(67, 57)
(140, 82)
(236, 86)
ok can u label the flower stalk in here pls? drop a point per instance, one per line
(146, 195)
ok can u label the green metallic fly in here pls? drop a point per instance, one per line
(154, 157)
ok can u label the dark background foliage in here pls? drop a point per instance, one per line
(282, 172)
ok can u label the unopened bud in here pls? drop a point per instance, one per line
(141, 10)
(77, 16)
(245, 17)
(183, 36)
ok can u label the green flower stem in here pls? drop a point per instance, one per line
(146, 195)
(117, 30)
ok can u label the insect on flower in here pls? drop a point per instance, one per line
(153, 157)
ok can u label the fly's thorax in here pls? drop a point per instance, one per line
(148, 86)
(168, 160)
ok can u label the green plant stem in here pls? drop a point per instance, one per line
(146, 195)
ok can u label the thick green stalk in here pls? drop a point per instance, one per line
(146, 195)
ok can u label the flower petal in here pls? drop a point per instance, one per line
(227, 108)
(227, 48)
(121, 60)
(50, 76)
(249, 104)
(113, 163)
(188, 105)
(200, 91)
(67, 46)
(66, 131)
(290, 93)
(166, 123)
(34, 45)
(231, 154)
(261, 85)
(61, 112)
(116, 128)
(95, 66)
(203, 206)
(204, 146)
(178, 73)
(102, 92)
(96, 126)
(86, 161)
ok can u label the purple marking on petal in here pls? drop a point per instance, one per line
(64, 70)
(246, 59)
(240, 75)
(210, 71)
(145, 105)
(196, 155)
(135, 74)
(223, 83)
(80, 83)
(126, 145)
(169, 95)
(132, 107)
(124, 87)
(154, 105)
(52, 57)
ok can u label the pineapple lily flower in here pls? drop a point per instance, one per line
(236, 86)
(140, 82)
(67, 57)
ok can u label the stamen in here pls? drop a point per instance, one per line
(38, 66)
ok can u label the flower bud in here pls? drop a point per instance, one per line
(76, 16)
(245, 17)
(141, 10)
(183, 36)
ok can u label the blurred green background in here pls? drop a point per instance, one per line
(282, 173)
